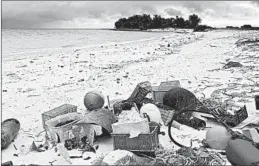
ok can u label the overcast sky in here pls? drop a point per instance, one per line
(103, 14)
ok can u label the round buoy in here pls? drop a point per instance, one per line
(217, 138)
(94, 100)
(152, 111)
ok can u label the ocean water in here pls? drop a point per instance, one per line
(21, 42)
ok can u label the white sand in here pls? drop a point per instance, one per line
(38, 86)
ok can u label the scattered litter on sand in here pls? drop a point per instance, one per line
(223, 97)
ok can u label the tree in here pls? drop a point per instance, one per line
(145, 21)
(194, 20)
(180, 22)
(246, 26)
(187, 24)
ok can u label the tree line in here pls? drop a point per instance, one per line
(147, 21)
(243, 27)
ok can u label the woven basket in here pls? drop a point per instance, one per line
(62, 133)
(142, 143)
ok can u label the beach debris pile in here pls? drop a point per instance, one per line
(123, 157)
(188, 156)
(135, 125)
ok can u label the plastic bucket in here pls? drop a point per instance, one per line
(60, 127)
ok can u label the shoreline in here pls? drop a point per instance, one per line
(46, 50)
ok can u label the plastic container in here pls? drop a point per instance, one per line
(10, 128)
(8, 163)
(257, 102)
(166, 115)
(142, 143)
(158, 92)
(61, 110)
(125, 128)
(60, 127)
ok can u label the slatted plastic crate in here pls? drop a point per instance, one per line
(158, 92)
(166, 115)
(142, 143)
(61, 110)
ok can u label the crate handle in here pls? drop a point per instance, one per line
(54, 135)
(146, 116)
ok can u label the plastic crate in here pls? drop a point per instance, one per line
(64, 132)
(142, 143)
(166, 115)
(158, 92)
(140, 92)
(61, 110)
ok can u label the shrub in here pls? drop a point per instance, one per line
(202, 28)
(246, 26)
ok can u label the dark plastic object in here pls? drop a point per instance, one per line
(8, 163)
(242, 152)
(257, 102)
(180, 98)
(10, 128)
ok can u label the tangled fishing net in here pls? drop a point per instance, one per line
(188, 157)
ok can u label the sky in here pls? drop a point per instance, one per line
(103, 14)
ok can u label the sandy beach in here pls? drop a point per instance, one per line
(35, 83)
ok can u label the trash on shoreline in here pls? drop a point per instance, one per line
(231, 64)
(217, 138)
(152, 112)
(188, 157)
(148, 142)
(60, 127)
(134, 125)
(140, 92)
(123, 157)
(10, 128)
(8, 163)
(94, 100)
(38, 149)
(257, 102)
(61, 110)
(252, 133)
(63, 152)
(101, 117)
(241, 152)
(158, 92)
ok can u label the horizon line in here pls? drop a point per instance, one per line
(60, 28)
